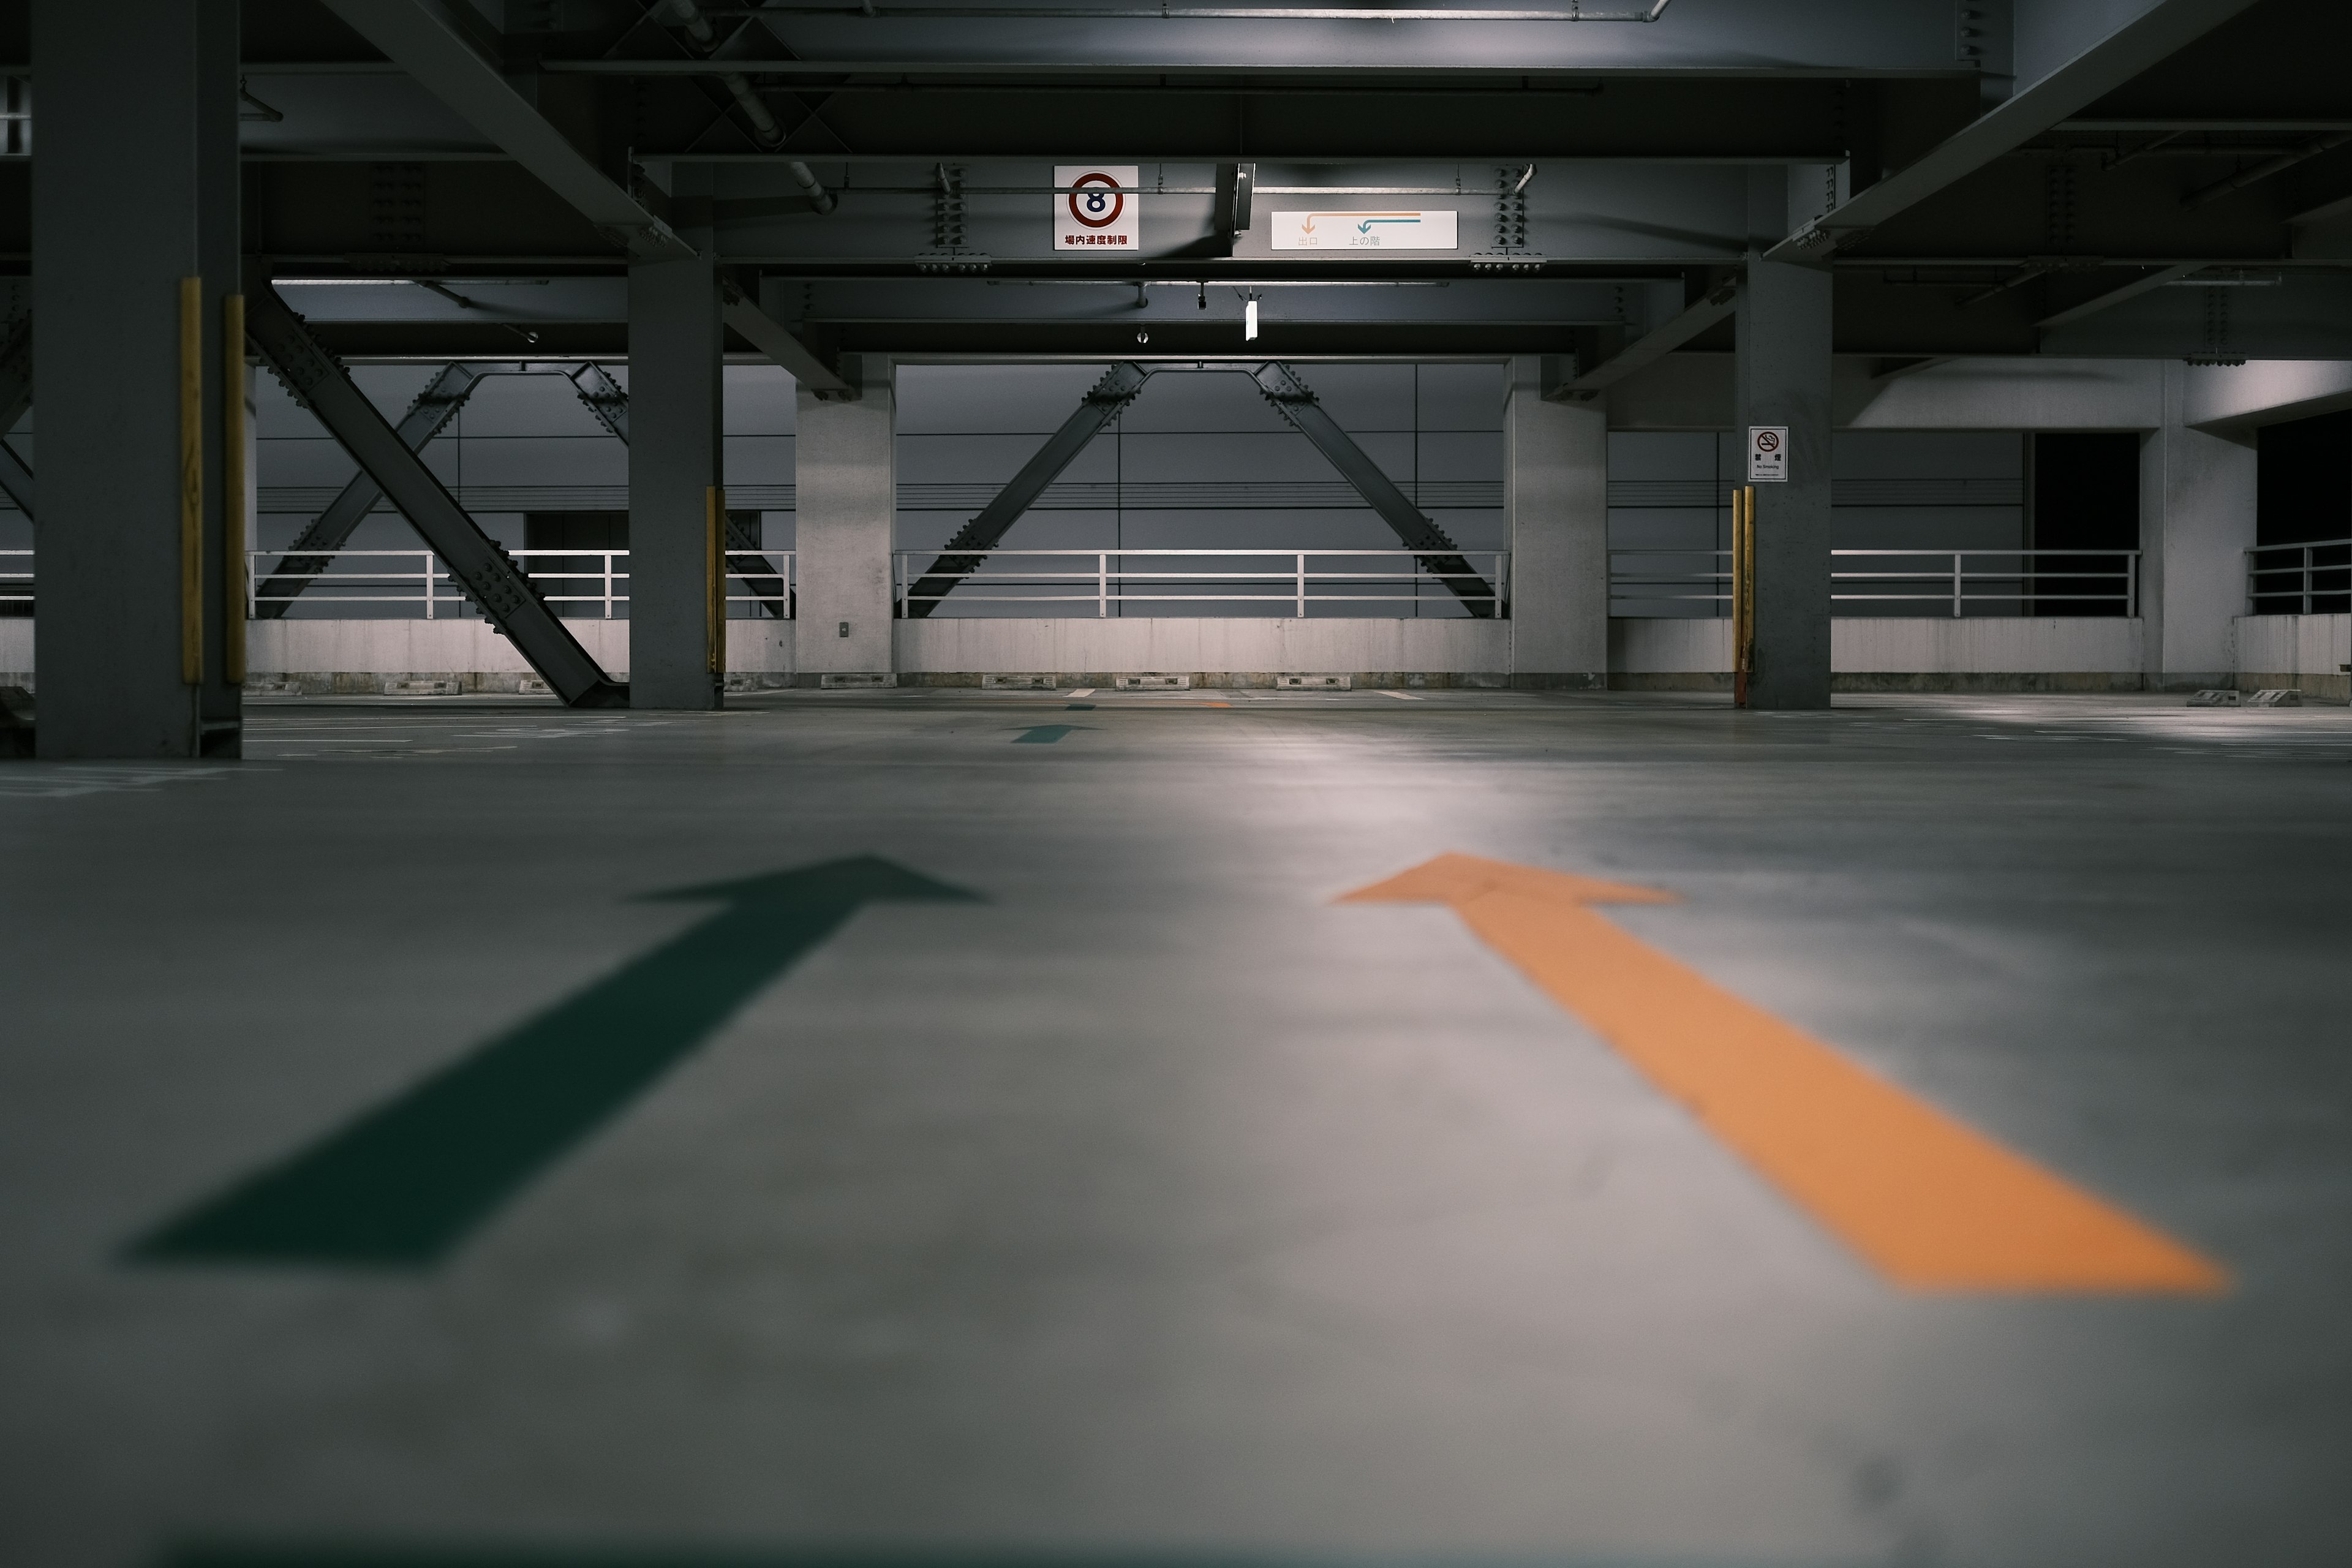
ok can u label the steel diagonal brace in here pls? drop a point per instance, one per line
(1291, 398)
(426, 417)
(16, 396)
(756, 571)
(490, 576)
(603, 398)
(969, 548)
(308, 555)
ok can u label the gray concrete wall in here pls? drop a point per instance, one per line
(847, 463)
(1555, 485)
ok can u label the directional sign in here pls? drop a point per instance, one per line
(403, 1185)
(1095, 207)
(1929, 1202)
(1768, 454)
(1363, 231)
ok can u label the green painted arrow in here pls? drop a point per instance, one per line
(407, 1181)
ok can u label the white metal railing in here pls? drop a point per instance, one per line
(1404, 583)
(16, 586)
(417, 578)
(2302, 580)
(1954, 581)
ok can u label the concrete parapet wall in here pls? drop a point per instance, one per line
(1201, 645)
(1928, 653)
(2305, 651)
(340, 654)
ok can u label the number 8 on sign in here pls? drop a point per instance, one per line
(1096, 201)
(1091, 207)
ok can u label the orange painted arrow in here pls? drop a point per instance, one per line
(1931, 1203)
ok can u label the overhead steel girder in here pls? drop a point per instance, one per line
(435, 406)
(1198, 292)
(1289, 397)
(2082, 59)
(429, 42)
(488, 575)
(1593, 213)
(1835, 38)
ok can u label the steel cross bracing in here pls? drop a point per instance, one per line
(16, 396)
(1289, 397)
(967, 548)
(490, 576)
(433, 409)
(435, 406)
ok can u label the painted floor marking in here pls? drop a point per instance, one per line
(1045, 734)
(407, 1181)
(1929, 1201)
(1084, 692)
(1400, 696)
(63, 781)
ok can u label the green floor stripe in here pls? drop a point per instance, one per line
(1045, 734)
(407, 1182)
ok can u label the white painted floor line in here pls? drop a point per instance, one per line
(1084, 692)
(1400, 696)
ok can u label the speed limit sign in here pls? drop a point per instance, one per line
(1768, 454)
(1094, 207)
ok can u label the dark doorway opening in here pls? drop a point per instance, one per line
(2085, 497)
(2302, 513)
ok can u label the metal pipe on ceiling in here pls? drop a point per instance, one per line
(764, 129)
(2277, 165)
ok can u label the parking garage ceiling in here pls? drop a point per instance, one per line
(2162, 178)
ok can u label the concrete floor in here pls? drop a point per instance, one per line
(1156, 1206)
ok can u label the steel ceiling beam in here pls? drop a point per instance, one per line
(763, 332)
(2162, 28)
(430, 42)
(490, 576)
(2116, 296)
(1717, 307)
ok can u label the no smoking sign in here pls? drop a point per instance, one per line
(1768, 454)
(1094, 207)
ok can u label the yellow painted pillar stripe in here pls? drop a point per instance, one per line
(191, 482)
(233, 483)
(1929, 1201)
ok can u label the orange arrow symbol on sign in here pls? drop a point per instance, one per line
(1929, 1201)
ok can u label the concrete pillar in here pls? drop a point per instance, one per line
(847, 493)
(676, 398)
(135, 190)
(1783, 378)
(2197, 521)
(1556, 497)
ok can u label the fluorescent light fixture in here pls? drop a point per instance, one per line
(338, 282)
(1249, 320)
